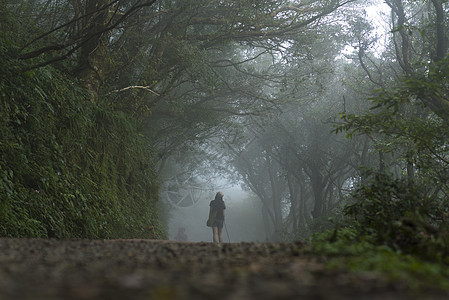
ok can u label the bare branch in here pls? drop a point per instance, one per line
(146, 88)
(78, 39)
(58, 28)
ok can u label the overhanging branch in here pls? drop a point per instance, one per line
(139, 87)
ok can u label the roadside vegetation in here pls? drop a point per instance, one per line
(336, 125)
(347, 251)
(69, 168)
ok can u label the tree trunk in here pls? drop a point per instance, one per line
(317, 187)
(266, 223)
(293, 189)
(93, 55)
(442, 39)
(410, 172)
(381, 162)
(303, 214)
(439, 105)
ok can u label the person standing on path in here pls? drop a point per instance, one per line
(216, 214)
(181, 236)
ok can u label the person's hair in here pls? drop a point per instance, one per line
(219, 196)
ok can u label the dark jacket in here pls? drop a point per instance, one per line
(218, 206)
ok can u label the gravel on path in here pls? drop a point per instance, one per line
(149, 269)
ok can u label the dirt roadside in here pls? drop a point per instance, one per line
(148, 269)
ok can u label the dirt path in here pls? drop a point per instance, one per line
(146, 269)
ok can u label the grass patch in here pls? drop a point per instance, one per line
(346, 251)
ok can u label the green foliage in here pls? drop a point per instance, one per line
(349, 251)
(402, 215)
(340, 242)
(406, 116)
(408, 211)
(68, 167)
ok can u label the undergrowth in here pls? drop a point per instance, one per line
(392, 228)
(403, 216)
(346, 250)
(70, 168)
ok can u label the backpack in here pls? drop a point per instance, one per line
(210, 220)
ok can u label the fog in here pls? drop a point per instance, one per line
(280, 117)
(242, 215)
(318, 120)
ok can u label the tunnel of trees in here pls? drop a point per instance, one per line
(328, 113)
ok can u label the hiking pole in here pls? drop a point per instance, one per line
(227, 233)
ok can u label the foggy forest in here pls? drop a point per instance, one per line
(321, 122)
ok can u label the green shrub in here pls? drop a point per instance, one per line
(401, 215)
(347, 250)
(69, 167)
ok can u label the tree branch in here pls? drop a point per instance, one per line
(56, 29)
(146, 88)
(78, 39)
(442, 43)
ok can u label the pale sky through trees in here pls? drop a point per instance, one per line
(193, 218)
(378, 14)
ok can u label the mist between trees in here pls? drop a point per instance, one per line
(118, 117)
